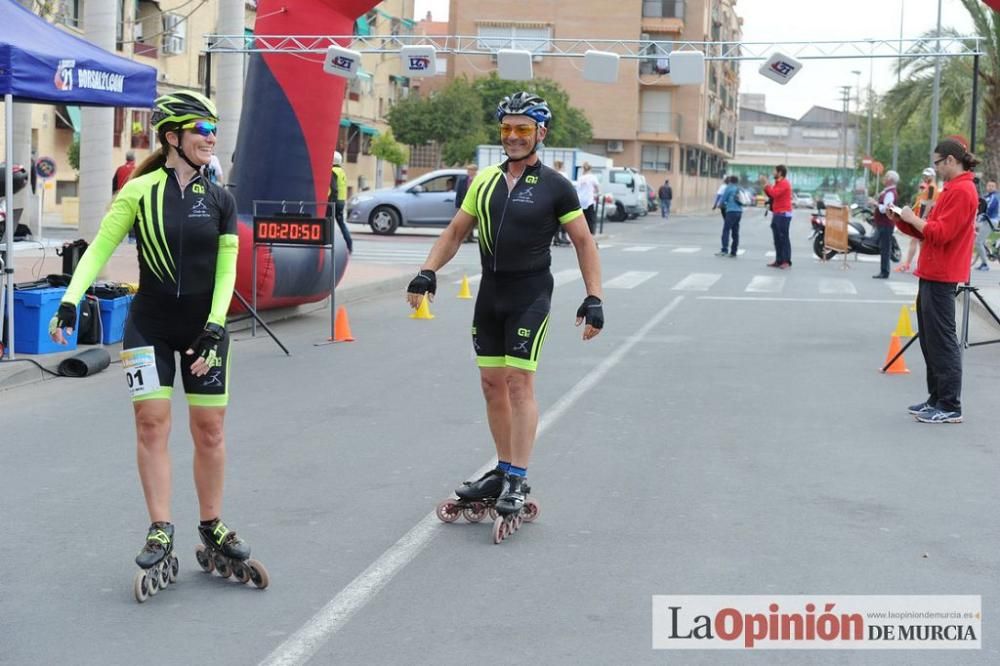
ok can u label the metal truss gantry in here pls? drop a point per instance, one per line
(944, 46)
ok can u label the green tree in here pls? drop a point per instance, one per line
(451, 118)
(385, 147)
(73, 153)
(913, 95)
(462, 116)
(570, 126)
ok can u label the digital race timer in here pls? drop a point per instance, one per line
(291, 230)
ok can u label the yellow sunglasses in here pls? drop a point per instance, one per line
(523, 131)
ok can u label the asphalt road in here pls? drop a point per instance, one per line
(726, 434)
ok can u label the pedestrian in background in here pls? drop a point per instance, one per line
(883, 224)
(984, 225)
(947, 236)
(734, 213)
(123, 173)
(560, 237)
(666, 194)
(718, 198)
(337, 197)
(588, 189)
(781, 216)
(927, 193)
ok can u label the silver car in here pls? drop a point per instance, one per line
(427, 200)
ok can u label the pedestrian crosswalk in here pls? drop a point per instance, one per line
(767, 285)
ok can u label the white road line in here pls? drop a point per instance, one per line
(836, 286)
(766, 283)
(789, 299)
(903, 288)
(686, 250)
(697, 282)
(304, 643)
(639, 248)
(566, 276)
(770, 253)
(629, 279)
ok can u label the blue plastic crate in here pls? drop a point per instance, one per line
(114, 313)
(33, 308)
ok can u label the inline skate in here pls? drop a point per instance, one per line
(513, 507)
(477, 499)
(222, 551)
(158, 566)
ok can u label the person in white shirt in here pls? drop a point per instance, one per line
(587, 189)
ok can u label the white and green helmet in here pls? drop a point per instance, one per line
(177, 108)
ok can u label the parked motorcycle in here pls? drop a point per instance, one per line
(859, 240)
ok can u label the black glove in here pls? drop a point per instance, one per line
(426, 281)
(592, 312)
(206, 345)
(65, 317)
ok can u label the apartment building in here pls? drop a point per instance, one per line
(369, 96)
(684, 133)
(165, 34)
(819, 148)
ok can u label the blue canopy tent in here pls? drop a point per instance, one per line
(41, 63)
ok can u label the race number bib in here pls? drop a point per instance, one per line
(140, 370)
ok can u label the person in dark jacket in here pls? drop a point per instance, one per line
(666, 196)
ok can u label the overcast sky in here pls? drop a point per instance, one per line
(815, 20)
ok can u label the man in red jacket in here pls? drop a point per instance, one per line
(947, 235)
(781, 215)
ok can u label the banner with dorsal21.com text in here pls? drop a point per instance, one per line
(817, 622)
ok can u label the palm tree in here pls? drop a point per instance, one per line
(911, 98)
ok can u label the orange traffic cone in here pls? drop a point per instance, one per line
(341, 327)
(464, 291)
(424, 311)
(898, 366)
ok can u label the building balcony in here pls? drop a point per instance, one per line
(663, 15)
(659, 126)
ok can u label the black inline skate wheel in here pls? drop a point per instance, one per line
(258, 574)
(173, 569)
(164, 569)
(139, 586)
(153, 580)
(241, 572)
(204, 559)
(474, 513)
(530, 511)
(499, 529)
(222, 566)
(448, 511)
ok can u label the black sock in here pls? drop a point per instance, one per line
(209, 523)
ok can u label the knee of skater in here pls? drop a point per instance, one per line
(208, 438)
(520, 387)
(151, 429)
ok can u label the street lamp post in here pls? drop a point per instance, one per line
(936, 101)
(857, 128)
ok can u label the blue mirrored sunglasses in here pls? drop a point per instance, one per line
(203, 127)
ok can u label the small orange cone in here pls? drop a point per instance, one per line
(424, 311)
(899, 365)
(903, 327)
(464, 291)
(341, 327)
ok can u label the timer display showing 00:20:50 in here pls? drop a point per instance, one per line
(303, 232)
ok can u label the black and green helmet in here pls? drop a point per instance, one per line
(177, 108)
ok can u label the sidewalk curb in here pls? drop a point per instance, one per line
(23, 371)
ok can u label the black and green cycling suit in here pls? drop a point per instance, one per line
(515, 235)
(187, 248)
